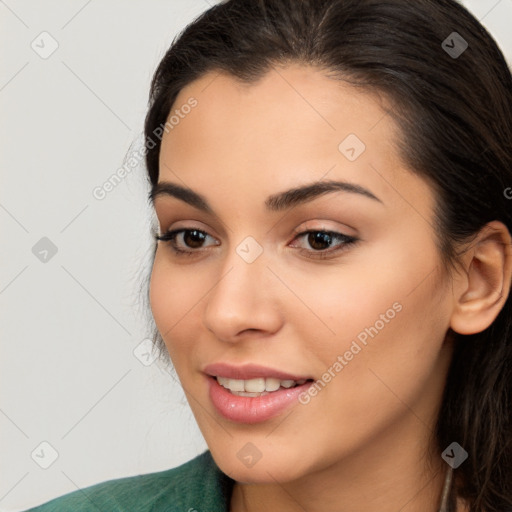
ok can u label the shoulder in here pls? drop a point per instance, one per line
(197, 484)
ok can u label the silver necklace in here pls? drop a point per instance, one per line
(446, 490)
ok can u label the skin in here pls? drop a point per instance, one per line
(363, 442)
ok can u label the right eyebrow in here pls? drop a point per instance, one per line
(186, 194)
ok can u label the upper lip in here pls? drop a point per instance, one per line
(248, 371)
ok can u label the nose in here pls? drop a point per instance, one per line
(244, 300)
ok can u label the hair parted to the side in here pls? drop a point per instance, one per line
(455, 120)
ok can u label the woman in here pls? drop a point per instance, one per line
(332, 272)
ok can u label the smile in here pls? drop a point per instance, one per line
(254, 406)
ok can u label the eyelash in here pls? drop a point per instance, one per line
(347, 241)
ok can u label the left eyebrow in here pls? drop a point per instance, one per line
(305, 193)
(276, 202)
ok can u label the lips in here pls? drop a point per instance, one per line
(248, 407)
(250, 371)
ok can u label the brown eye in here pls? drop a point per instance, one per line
(319, 240)
(323, 244)
(186, 241)
(193, 238)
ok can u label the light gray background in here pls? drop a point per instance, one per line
(68, 373)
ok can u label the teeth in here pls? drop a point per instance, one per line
(255, 387)
(272, 384)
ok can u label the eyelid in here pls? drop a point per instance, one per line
(321, 225)
(180, 214)
(187, 225)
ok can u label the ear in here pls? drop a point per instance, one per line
(482, 289)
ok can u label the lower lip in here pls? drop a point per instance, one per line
(247, 409)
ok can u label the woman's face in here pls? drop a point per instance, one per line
(361, 310)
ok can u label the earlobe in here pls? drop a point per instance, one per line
(485, 287)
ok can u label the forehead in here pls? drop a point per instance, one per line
(292, 99)
(293, 125)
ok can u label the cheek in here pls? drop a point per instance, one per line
(386, 362)
(345, 300)
(173, 295)
(384, 307)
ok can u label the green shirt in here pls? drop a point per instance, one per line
(196, 486)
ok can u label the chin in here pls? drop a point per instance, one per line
(269, 468)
